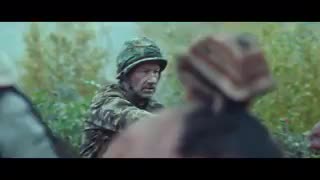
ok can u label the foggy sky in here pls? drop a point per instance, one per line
(11, 35)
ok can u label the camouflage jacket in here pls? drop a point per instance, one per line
(110, 112)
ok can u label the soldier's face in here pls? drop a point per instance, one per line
(144, 79)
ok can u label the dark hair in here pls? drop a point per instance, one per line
(60, 147)
(233, 132)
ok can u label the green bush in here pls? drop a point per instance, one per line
(294, 61)
(295, 145)
(65, 119)
(292, 51)
(62, 72)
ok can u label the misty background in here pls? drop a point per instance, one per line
(12, 34)
(64, 64)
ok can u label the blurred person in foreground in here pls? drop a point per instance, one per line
(22, 132)
(314, 138)
(117, 106)
(222, 75)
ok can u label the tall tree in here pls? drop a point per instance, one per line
(61, 71)
(62, 61)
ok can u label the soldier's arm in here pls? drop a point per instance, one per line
(21, 135)
(107, 120)
(126, 113)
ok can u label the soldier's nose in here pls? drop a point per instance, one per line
(152, 80)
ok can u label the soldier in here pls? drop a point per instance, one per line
(116, 106)
(22, 132)
(222, 75)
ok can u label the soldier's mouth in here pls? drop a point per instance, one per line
(149, 90)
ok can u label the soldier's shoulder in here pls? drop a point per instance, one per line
(109, 90)
(155, 105)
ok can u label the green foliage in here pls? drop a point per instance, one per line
(292, 52)
(294, 61)
(295, 145)
(62, 72)
(65, 119)
(173, 38)
(62, 60)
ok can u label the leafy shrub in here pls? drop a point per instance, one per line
(295, 145)
(64, 118)
(61, 73)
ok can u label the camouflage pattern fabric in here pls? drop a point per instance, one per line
(137, 51)
(110, 112)
(233, 66)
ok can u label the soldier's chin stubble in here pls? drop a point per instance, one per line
(145, 95)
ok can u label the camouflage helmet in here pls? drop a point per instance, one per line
(137, 51)
(8, 72)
